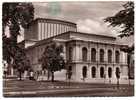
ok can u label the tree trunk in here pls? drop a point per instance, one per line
(48, 74)
(20, 77)
(52, 76)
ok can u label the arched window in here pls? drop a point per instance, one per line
(70, 53)
(117, 72)
(84, 72)
(117, 56)
(93, 72)
(84, 54)
(102, 72)
(93, 55)
(109, 56)
(101, 55)
(110, 72)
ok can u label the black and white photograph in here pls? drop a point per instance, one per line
(68, 49)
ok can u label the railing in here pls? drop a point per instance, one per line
(95, 62)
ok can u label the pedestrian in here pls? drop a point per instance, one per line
(31, 75)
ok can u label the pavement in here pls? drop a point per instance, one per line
(29, 88)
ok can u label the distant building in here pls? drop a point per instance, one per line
(90, 57)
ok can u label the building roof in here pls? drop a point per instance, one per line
(57, 20)
(92, 34)
(46, 41)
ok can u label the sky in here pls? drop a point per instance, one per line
(87, 15)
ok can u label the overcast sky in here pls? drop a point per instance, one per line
(87, 15)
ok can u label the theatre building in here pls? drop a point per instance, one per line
(90, 57)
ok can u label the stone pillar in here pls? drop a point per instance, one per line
(12, 71)
(64, 51)
(126, 58)
(114, 73)
(97, 55)
(80, 53)
(97, 72)
(89, 53)
(77, 51)
(106, 72)
(113, 54)
(74, 53)
(105, 54)
(90, 71)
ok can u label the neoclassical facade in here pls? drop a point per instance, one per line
(91, 58)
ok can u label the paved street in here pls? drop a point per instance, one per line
(27, 88)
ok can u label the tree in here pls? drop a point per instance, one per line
(15, 16)
(52, 59)
(123, 19)
(21, 62)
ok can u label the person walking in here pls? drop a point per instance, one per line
(31, 75)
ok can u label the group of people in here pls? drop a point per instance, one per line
(35, 75)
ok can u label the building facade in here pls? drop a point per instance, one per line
(91, 58)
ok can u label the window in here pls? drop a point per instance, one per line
(117, 56)
(110, 72)
(70, 53)
(102, 72)
(109, 56)
(93, 55)
(84, 72)
(93, 72)
(84, 54)
(101, 55)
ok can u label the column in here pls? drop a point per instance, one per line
(50, 30)
(42, 31)
(58, 29)
(39, 33)
(55, 29)
(106, 72)
(105, 54)
(113, 54)
(97, 53)
(47, 30)
(80, 53)
(97, 72)
(126, 58)
(114, 73)
(12, 71)
(89, 53)
(74, 53)
(64, 51)
(46, 33)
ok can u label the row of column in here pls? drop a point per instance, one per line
(113, 72)
(47, 30)
(77, 54)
